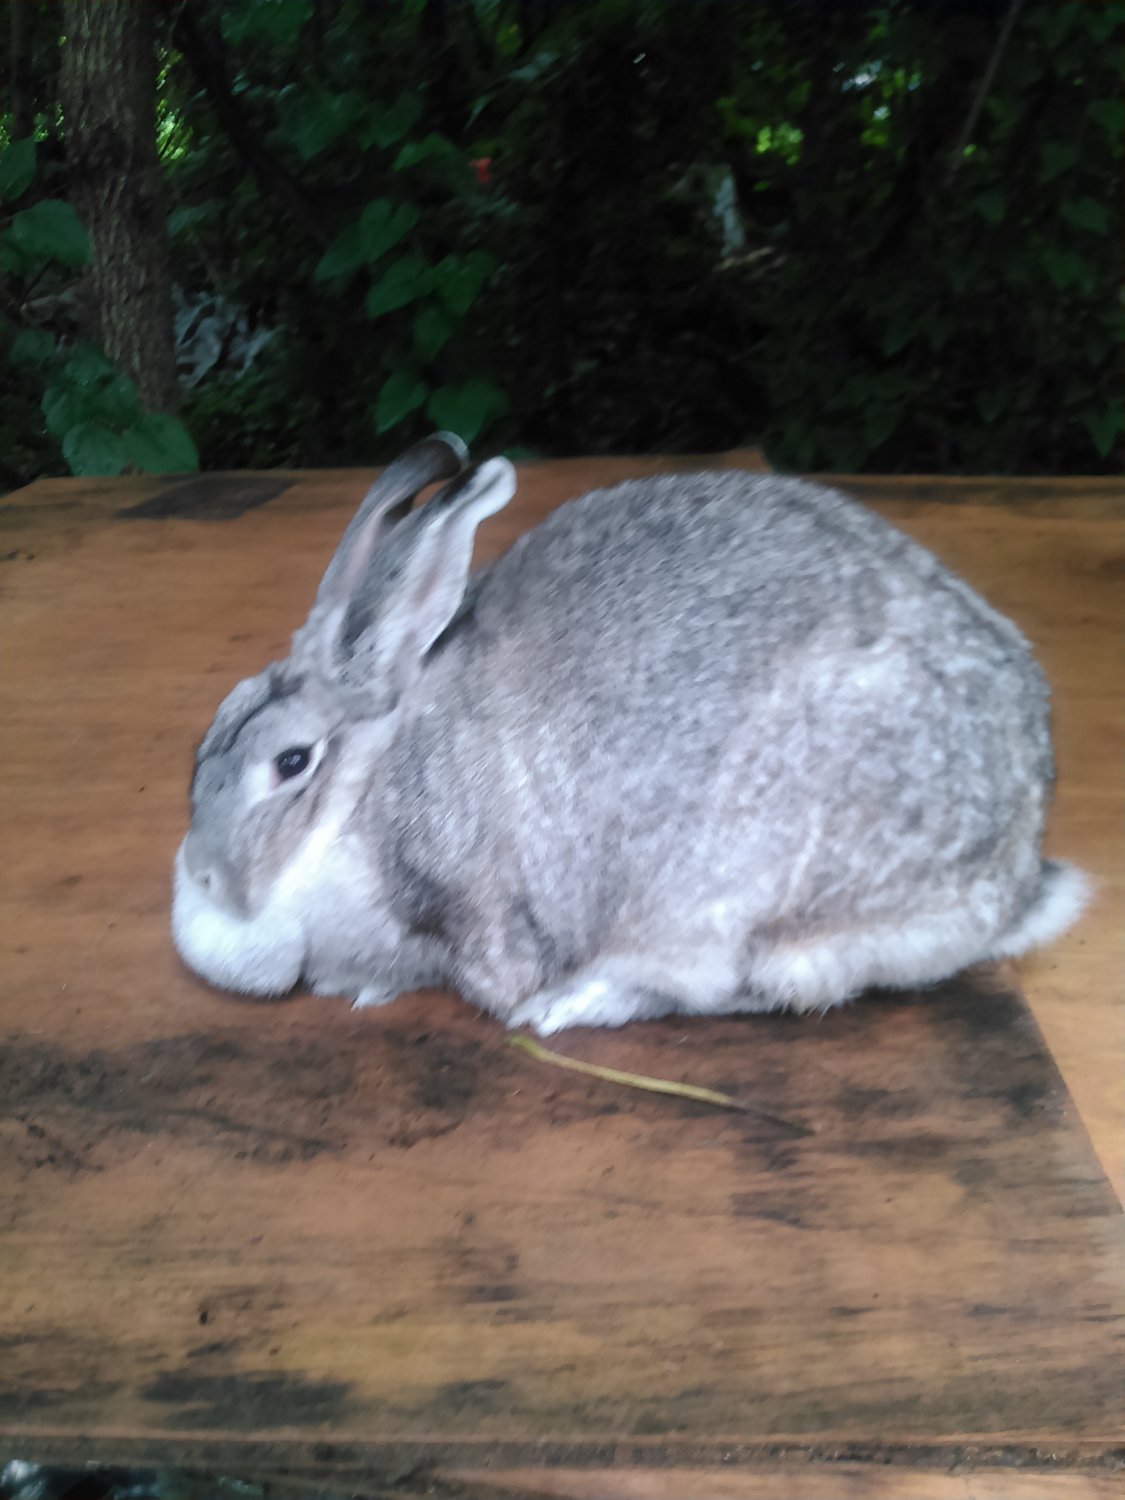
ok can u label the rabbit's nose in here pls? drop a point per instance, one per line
(210, 874)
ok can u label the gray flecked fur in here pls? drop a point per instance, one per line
(710, 742)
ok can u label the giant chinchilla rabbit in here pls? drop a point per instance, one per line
(702, 743)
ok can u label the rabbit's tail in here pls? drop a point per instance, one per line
(1063, 892)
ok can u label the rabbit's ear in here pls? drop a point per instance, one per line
(387, 501)
(416, 586)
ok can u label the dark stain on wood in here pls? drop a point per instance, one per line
(253, 1094)
(29, 1401)
(488, 1207)
(210, 497)
(256, 1399)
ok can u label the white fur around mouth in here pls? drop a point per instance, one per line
(260, 956)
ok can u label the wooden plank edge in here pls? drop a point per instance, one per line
(294, 1452)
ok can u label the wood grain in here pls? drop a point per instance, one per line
(375, 1244)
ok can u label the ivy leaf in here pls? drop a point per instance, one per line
(387, 126)
(382, 225)
(531, 72)
(962, 272)
(433, 328)
(898, 333)
(160, 444)
(403, 393)
(466, 409)
(458, 279)
(90, 448)
(269, 21)
(990, 403)
(1066, 267)
(878, 427)
(1103, 424)
(15, 261)
(1101, 21)
(405, 281)
(1086, 213)
(86, 365)
(17, 168)
(63, 408)
(418, 151)
(31, 347)
(51, 230)
(313, 122)
(1057, 157)
(192, 216)
(116, 400)
(344, 256)
(991, 205)
(1110, 115)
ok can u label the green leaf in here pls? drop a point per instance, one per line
(63, 408)
(192, 216)
(87, 364)
(433, 328)
(405, 281)
(386, 127)
(90, 448)
(417, 151)
(898, 333)
(991, 205)
(343, 257)
(1086, 213)
(466, 409)
(1110, 115)
(15, 261)
(116, 400)
(17, 168)
(990, 402)
(1104, 424)
(938, 329)
(313, 122)
(458, 279)
(382, 225)
(31, 347)
(403, 393)
(531, 72)
(1101, 21)
(160, 444)
(279, 22)
(879, 426)
(1066, 267)
(1053, 22)
(962, 271)
(1057, 157)
(51, 230)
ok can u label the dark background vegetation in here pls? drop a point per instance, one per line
(868, 236)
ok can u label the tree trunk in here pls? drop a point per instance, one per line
(108, 92)
(21, 50)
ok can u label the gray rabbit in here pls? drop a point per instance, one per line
(700, 743)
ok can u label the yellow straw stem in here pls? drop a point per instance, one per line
(652, 1085)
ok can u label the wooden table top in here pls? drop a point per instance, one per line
(382, 1250)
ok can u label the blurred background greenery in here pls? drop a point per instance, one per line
(867, 236)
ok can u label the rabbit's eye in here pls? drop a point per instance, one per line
(292, 762)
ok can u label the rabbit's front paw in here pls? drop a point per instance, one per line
(584, 1002)
(372, 995)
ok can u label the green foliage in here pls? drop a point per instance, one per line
(626, 226)
(88, 407)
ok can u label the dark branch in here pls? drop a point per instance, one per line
(958, 153)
